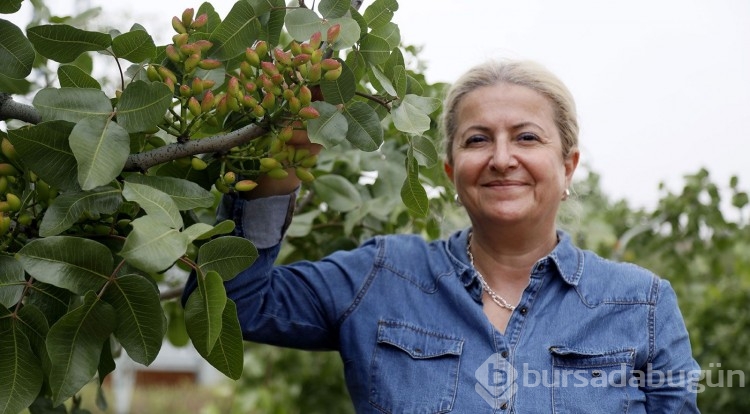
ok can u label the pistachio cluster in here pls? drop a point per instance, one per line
(16, 201)
(272, 87)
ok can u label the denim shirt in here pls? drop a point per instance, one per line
(588, 335)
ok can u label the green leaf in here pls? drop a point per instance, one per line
(45, 150)
(412, 116)
(356, 63)
(22, 376)
(157, 204)
(375, 50)
(390, 33)
(365, 131)
(424, 151)
(135, 46)
(224, 227)
(72, 104)
(329, 129)
(63, 43)
(198, 231)
(106, 365)
(33, 323)
(341, 90)
(301, 226)
(380, 12)
(101, 148)
(141, 323)
(10, 6)
(276, 11)
(333, 8)
(400, 80)
(14, 86)
(16, 53)
(187, 195)
(73, 263)
(228, 353)
(203, 312)
(349, 35)
(71, 76)
(152, 245)
(142, 105)
(383, 82)
(337, 192)
(12, 281)
(412, 192)
(301, 23)
(68, 208)
(75, 344)
(226, 256)
(237, 32)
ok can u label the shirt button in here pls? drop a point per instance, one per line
(524, 310)
(504, 354)
(504, 406)
(541, 267)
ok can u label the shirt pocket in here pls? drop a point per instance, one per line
(586, 381)
(413, 370)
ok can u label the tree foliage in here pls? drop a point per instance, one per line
(107, 198)
(104, 196)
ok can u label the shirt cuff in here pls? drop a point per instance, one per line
(263, 221)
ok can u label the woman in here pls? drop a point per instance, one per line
(506, 316)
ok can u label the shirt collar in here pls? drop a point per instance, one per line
(567, 258)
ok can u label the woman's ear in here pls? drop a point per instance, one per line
(448, 170)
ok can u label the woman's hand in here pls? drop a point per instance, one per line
(268, 186)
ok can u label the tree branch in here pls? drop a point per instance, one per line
(217, 143)
(10, 109)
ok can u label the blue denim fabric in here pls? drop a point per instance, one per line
(588, 336)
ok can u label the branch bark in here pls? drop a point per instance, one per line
(10, 109)
(217, 143)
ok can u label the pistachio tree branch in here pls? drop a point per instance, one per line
(10, 109)
(217, 143)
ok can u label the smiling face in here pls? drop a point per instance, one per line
(508, 165)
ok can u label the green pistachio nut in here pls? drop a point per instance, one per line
(310, 161)
(207, 103)
(198, 164)
(294, 105)
(316, 40)
(268, 163)
(186, 91)
(251, 57)
(295, 47)
(304, 95)
(8, 169)
(315, 73)
(300, 59)
(333, 33)
(230, 177)
(8, 150)
(245, 185)
(278, 173)
(152, 74)
(173, 54)
(199, 21)
(285, 134)
(13, 201)
(261, 48)
(194, 106)
(209, 64)
(308, 112)
(187, 17)
(178, 26)
(3, 184)
(304, 174)
(330, 64)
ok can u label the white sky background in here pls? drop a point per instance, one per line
(662, 86)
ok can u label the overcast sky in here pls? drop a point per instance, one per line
(662, 86)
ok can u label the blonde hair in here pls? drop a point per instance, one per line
(515, 72)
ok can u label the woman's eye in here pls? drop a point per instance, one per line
(528, 137)
(475, 139)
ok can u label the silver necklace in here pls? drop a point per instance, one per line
(499, 301)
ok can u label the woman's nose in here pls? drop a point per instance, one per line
(503, 156)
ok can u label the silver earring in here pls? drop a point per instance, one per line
(566, 194)
(457, 200)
